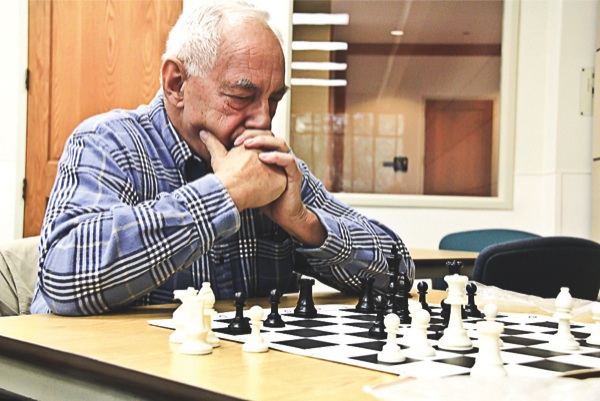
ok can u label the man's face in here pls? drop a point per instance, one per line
(241, 92)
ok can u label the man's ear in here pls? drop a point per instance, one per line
(173, 79)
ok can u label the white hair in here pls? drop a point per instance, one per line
(195, 37)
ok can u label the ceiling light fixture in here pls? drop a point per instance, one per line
(397, 32)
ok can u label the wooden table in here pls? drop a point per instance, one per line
(119, 356)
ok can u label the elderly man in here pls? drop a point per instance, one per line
(194, 187)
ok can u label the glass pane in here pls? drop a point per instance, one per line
(419, 113)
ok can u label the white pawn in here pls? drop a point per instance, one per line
(490, 312)
(594, 338)
(181, 314)
(488, 362)
(413, 308)
(391, 352)
(195, 332)
(255, 341)
(209, 302)
(563, 339)
(420, 345)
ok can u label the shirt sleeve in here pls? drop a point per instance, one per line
(355, 246)
(104, 244)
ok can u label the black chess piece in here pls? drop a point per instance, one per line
(445, 314)
(377, 330)
(239, 324)
(274, 318)
(366, 303)
(471, 307)
(305, 306)
(422, 288)
(401, 299)
(454, 266)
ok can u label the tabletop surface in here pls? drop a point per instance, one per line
(123, 348)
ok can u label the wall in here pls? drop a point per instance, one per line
(552, 180)
(13, 114)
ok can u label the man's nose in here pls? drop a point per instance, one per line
(260, 117)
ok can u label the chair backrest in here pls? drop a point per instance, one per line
(541, 266)
(18, 275)
(476, 240)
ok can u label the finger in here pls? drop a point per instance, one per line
(285, 160)
(249, 134)
(267, 143)
(213, 145)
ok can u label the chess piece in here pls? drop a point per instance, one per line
(454, 267)
(455, 336)
(195, 332)
(366, 303)
(563, 339)
(419, 344)
(490, 311)
(377, 330)
(594, 338)
(422, 288)
(181, 314)
(471, 307)
(391, 352)
(401, 299)
(305, 306)
(239, 324)
(255, 342)
(488, 362)
(274, 318)
(207, 294)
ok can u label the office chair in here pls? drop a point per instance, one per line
(18, 274)
(541, 266)
(476, 240)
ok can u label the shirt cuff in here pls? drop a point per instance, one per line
(211, 207)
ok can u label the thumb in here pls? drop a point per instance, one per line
(213, 145)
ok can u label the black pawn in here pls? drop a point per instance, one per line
(378, 328)
(471, 308)
(422, 288)
(239, 324)
(366, 303)
(274, 318)
(305, 306)
(445, 314)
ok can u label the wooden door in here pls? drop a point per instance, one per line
(458, 147)
(85, 57)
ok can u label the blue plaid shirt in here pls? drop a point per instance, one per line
(134, 215)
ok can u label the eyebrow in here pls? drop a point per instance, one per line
(245, 83)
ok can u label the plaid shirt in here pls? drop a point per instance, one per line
(134, 215)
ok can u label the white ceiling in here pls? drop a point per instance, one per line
(423, 21)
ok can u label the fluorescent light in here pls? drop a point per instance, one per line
(397, 33)
(318, 66)
(318, 82)
(320, 19)
(327, 46)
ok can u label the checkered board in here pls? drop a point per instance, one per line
(339, 333)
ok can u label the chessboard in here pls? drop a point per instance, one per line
(339, 333)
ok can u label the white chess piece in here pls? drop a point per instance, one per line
(255, 342)
(455, 336)
(594, 338)
(391, 352)
(563, 339)
(413, 308)
(180, 316)
(488, 362)
(490, 312)
(195, 332)
(209, 302)
(420, 345)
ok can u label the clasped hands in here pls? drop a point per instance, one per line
(261, 172)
